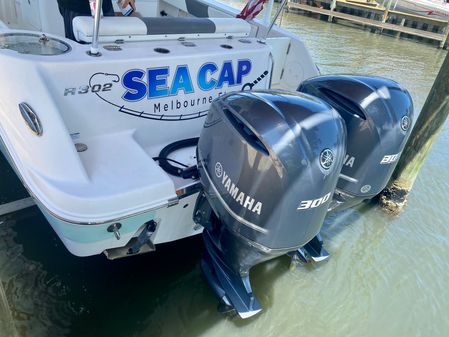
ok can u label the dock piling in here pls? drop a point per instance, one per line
(386, 14)
(333, 6)
(398, 34)
(427, 127)
(443, 42)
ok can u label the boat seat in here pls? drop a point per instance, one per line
(160, 28)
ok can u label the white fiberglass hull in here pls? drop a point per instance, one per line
(115, 179)
(84, 144)
(86, 240)
(93, 239)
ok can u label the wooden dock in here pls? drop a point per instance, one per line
(15, 206)
(383, 15)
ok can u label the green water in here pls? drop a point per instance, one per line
(386, 277)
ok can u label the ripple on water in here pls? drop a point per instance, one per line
(37, 300)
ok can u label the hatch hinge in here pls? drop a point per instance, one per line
(173, 202)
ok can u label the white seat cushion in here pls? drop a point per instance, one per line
(134, 28)
(231, 26)
(110, 26)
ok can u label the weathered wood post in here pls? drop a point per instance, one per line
(333, 6)
(443, 42)
(428, 125)
(386, 14)
(398, 34)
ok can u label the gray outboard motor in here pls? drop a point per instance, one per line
(269, 163)
(378, 114)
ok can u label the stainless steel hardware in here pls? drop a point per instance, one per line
(115, 228)
(31, 119)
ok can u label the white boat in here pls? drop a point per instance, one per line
(93, 129)
(81, 131)
(435, 9)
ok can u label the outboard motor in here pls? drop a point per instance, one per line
(269, 163)
(378, 114)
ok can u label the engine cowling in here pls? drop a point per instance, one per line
(269, 163)
(378, 114)
(272, 164)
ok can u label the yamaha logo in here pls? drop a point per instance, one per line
(326, 158)
(365, 188)
(236, 193)
(405, 123)
(218, 170)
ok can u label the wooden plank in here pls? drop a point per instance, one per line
(370, 22)
(414, 31)
(420, 17)
(381, 9)
(359, 5)
(15, 206)
(7, 327)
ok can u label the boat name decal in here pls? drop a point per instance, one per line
(185, 94)
(157, 82)
(240, 197)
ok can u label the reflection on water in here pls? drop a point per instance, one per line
(386, 276)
